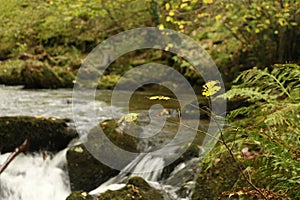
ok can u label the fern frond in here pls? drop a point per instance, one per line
(252, 94)
(281, 81)
(282, 114)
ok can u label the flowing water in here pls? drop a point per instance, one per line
(32, 177)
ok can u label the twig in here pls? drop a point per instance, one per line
(17, 151)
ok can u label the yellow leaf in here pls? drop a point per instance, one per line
(159, 98)
(208, 1)
(211, 88)
(202, 15)
(218, 17)
(169, 19)
(171, 13)
(161, 27)
(167, 6)
(183, 5)
(281, 22)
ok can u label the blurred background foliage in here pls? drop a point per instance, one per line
(237, 34)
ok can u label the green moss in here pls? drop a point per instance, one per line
(79, 195)
(108, 81)
(136, 188)
(42, 133)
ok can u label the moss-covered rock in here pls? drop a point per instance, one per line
(80, 195)
(37, 74)
(49, 134)
(136, 188)
(220, 177)
(85, 171)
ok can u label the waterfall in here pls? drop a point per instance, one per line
(34, 177)
(146, 166)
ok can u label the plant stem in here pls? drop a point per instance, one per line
(17, 151)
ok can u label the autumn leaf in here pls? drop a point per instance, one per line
(159, 98)
(208, 1)
(211, 88)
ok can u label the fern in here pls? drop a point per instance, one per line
(271, 125)
(278, 83)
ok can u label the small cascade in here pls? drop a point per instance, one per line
(34, 177)
(146, 166)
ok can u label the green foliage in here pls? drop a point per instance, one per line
(238, 34)
(269, 128)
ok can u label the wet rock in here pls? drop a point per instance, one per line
(136, 188)
(49, 134)
(85, 171)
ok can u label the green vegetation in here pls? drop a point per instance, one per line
(264, 137)
(255, 44)
(237, 34)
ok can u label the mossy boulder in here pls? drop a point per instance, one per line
(49, 134)
(80, 195)
(37, 74)
(136, 188)
(220, 177)
(85, 171)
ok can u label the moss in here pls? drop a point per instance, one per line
(43, 133)
(136, 188)
(108, 81)
(79, 195)
(85, 171)
(221, 177)
(117, 136)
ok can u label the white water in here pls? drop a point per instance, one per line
(30, 177)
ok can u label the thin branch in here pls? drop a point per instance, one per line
(17, 151)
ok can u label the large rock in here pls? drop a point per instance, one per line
(37, 74)
(49, 134)
(136, 188)
(85, 171)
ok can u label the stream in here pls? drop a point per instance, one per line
(29, 175)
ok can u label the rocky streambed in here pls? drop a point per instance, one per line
(57, 159)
